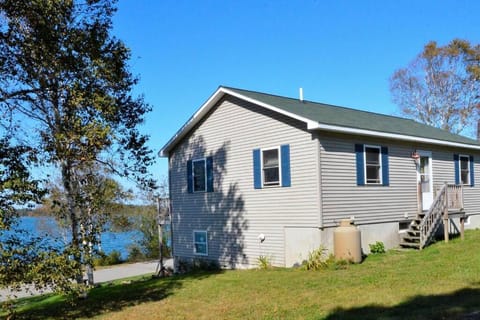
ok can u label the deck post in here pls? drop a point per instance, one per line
(445, 213)
(462, 228)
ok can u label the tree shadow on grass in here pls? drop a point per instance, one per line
(462, 304)
(106, 298)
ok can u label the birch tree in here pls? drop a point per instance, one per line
(65, 83)
(441, 87)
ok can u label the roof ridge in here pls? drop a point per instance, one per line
(333, 118)
(365, 113)
(324, 104)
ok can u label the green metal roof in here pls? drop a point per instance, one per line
(352, 118)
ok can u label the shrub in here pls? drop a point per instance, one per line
(135, 254)
(377, 247)
(317, 259)
(115, 257)
(205, 265)
(196, 264)
(264, 262)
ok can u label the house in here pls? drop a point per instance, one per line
(254, 174)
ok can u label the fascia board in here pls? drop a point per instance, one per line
(311, 125)
(194, 119)
(210, 103)
(396, 136)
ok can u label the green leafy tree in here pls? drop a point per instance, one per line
(16, 185)
(65, 82)
(145, 219)
(99, 197)
(441, 86)
(25, 259)
(147, 224)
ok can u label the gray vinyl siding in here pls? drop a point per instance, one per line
(323, 184)
(444, 171)
(343, 198)
(236, 213)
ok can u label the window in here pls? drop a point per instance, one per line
(404, 225)
(200, 243)
(373, 166)
(199, 175)
(271, 167)
(464, 169)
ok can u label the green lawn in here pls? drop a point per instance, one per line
(440, 282)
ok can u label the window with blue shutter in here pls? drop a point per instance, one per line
(457, 168)
(472, 174)
(257, 169)
(209, 165)
(285, 154)
(360, 165)
(271, 167)
(372, 165)
(200, 175)
(189, 176)
(385, 167)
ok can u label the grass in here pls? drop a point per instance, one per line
(440, 282)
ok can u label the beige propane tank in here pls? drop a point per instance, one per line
(347, 242)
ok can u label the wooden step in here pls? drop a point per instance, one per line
(415, 228)
(409, 238)
(414, 245)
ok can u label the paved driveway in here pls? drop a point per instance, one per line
(104, 275)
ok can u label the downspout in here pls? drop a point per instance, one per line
(170, 207)
(318, 168)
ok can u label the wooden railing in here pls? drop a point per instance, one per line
(432, 218)
(449, 197)
(455, 196)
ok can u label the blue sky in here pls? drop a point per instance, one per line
(339, 52)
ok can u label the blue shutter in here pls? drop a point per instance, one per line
(457, 168)
(285, 154)
(360, 165)
(257, 169)
(385, 169)
(189, 176)
(472, 174)
(209, 174)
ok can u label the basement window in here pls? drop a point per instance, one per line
(200, 242)
(404, 225)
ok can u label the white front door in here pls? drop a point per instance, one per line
(425, 180)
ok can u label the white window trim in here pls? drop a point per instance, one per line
(365, 146)
(193, 174)
(279, 168)
(206, 243)
(460, 156)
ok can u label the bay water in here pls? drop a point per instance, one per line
(45, 226)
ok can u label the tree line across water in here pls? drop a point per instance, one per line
(142, 219)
